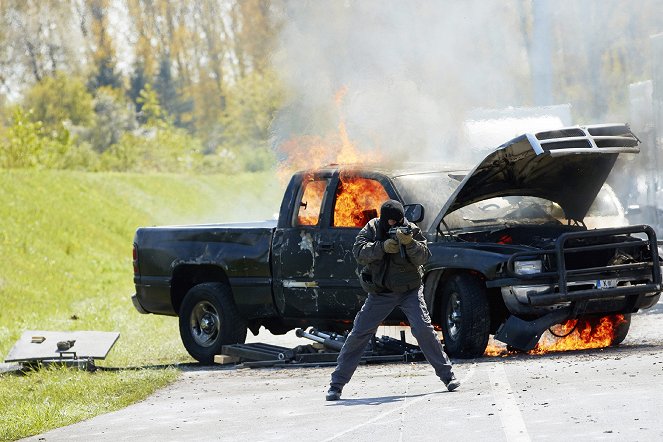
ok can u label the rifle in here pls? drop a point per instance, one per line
(404, 229)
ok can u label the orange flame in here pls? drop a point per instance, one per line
(311, 151)
(357, 201)
(309, 212)
(575, 334)
(579, 334)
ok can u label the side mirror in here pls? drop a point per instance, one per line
(414, 212)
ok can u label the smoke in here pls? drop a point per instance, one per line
(411, 69)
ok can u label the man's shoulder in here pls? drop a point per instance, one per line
(371, 226)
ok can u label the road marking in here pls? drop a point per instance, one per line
(405, 405)
(402, 421)
(512, 420)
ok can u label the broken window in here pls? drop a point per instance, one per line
(357, 201)
(313, 192)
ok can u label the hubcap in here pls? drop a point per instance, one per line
(204, 324)
(453, 316)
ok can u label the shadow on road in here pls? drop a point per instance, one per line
(378, 400)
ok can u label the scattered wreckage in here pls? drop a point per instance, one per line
(511, 255)
(324, 351)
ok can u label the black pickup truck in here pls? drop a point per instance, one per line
(511, 255)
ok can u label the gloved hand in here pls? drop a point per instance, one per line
(391, 246)
(403, 238)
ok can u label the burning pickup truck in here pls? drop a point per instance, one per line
(511, 255)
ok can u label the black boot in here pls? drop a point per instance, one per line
(452, 383)
(333, 394)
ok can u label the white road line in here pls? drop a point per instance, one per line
(402, 407)
(402, 421)
(512, 420)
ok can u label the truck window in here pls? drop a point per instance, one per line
(313, 191)
(357, 201)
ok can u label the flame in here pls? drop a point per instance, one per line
(311, 151)
(357, 201)
(575, 334)
(579, 334)
(496, 349)
(309, 211)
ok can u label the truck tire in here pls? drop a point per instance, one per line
(465, 317)
(621, 331)
(209, 320)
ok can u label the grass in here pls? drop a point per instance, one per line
(65, 242)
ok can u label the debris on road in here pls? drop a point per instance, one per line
(324, 351)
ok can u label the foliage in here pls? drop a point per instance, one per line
(113, 116)
(246, 121)
(199, 54)
(28, 144)
(104, 73)
(67, 239)
(59, 99)
(249, 109)
(191, 53)
(158, 146)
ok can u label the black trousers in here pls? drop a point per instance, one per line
(376, 308)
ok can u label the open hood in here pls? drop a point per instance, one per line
(567, 166)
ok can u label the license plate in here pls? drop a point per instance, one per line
(606, 283)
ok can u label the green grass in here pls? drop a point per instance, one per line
(65, 243)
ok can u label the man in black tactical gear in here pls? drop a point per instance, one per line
(392, 279)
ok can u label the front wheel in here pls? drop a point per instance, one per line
(621, 330)
(465, 317)
(209, 320)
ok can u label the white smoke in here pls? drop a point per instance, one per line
(412, 70)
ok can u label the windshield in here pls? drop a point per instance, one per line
(430, 189)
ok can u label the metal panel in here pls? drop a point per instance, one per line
(37, 345)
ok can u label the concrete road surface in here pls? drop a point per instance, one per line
(609, 394)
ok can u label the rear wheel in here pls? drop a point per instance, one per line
(209, 320)
(465, 317)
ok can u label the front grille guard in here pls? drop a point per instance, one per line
(650, 270)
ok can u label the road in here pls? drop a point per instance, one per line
(606, 394)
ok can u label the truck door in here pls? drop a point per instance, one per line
(314, 267)
(295, 248)
(356, 200)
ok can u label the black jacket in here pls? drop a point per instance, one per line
(389, 272)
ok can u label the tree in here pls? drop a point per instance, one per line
(251, 106)
(37, 39)
(27, 144)
(138, 82)
(114, 116)
(58, 99)
(104, 73)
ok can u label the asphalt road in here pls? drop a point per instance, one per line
(605, 394)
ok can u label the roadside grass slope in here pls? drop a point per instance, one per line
(65, 246)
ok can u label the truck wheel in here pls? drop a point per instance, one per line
(209, 320)
(621, 331)
(465, 317)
